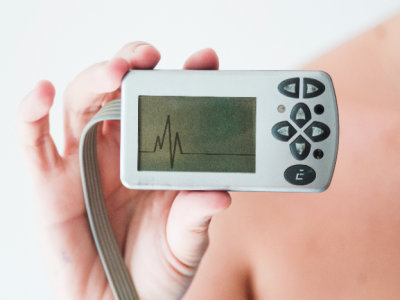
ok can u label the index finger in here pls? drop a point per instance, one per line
(85, 95)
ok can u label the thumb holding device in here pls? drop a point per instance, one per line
(161, 234)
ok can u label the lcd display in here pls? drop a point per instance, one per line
(197, 134)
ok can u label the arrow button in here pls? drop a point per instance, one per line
(317, 131)
(283, 131)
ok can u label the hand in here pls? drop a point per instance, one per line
(162, 235)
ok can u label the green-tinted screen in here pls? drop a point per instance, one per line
(197, 134)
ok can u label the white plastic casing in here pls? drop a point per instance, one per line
(273, 157)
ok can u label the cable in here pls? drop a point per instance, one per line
(111, 258)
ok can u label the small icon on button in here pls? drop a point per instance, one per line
(290, 88)
(316, 131)
(300, 174)
(300, 114)
(284, 130)
(311, 88)
(300, 147)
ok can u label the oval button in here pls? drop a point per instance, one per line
(312, 88)
(283, 131)
(290, 87)
(300, 175)
(317, 131)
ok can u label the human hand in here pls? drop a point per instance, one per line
(162, 235)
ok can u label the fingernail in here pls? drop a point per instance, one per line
(141, 47)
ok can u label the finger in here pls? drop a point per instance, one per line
(33, 130)
(86, 94)
(205, 59)
(187, 227)
(140, 55)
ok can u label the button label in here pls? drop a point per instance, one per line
(284, 130)
(300, 147)
(300, 174)
(311, 88)
(291, 88)
(300, 114)
(317, 131)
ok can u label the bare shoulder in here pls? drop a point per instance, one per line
(340, 244)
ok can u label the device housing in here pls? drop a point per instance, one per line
(273, 157)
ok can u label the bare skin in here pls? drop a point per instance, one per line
(345, 242)
(161, 234)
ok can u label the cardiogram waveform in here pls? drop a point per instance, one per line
(177, 142)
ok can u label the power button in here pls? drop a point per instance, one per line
(300, 175)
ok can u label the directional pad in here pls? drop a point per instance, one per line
(300, 114)
(300, 148)
(290, 87)
(283, 131)
(317, 131)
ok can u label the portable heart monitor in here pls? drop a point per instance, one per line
(272, 131)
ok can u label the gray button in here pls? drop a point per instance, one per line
(283, 131)
(300, 114)
(300, 175)
(312, 88)
(300, 148)
(290, 87)
(317, 131)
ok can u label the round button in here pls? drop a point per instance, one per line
(318, 154)
(300, 175)
(319, 109)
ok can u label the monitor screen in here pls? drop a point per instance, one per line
(197, 134)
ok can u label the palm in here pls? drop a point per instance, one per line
(161, 234)
(84, 265)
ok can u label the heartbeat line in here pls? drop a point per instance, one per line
(177, 142)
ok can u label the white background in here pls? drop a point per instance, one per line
(54, 40)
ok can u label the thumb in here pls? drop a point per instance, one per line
(188, 222)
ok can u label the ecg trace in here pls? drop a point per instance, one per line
(177, 142)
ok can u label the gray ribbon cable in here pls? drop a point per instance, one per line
(113, 263)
